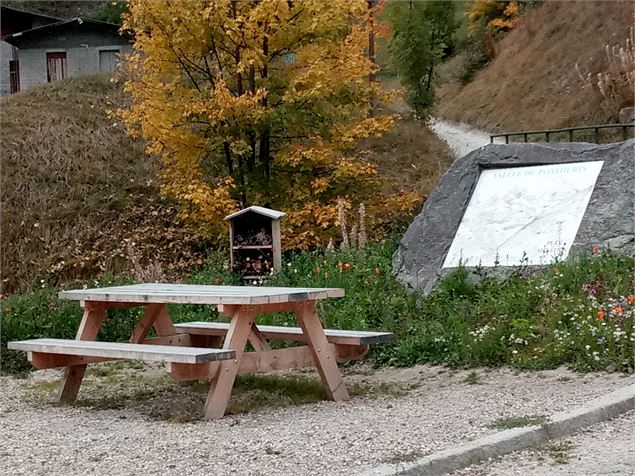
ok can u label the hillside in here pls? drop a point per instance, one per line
(532, 83)
(59, 9)
(76, 189)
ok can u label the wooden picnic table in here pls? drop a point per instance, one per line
(191, 349)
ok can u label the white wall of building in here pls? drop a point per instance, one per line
(6, 55)
(79, 62)
(81, 44)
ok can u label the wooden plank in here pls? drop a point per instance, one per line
(334, 336)
(221, 387)
(123, 305)
(325, 360)
(206, 341)
(150, 313)
(123, 350)
(163, 324)
(176, 339)
(257, 340)
(267, 361)
(88, 330)
(232, 260)
(276, 242)
(51, 361)
(198, 294)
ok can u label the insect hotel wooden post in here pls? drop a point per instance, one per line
(254, 238)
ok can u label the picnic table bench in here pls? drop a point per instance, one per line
(205, 350)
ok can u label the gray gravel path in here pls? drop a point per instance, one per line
(461, 138)
(603, 449)
(119, 426)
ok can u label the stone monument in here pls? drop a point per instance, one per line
(506, 205)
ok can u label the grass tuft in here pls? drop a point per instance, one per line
(473, 378)
(516, 422)
(559, 451)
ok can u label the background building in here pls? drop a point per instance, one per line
(13, 21)
(61, 49)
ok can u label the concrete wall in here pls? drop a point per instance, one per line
(6, 54)
(82, 53)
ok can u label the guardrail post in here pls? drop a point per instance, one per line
(570, 135)
(624, 133)
(506, 139)
(547, 136)
(526, 138)
(597, 135)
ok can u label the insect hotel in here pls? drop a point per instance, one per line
(254, 238)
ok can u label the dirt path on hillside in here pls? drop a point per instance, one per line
(461, 138)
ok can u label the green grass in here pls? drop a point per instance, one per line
(576, 312)
(516, 422)
(473, 378)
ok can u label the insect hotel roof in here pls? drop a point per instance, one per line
(268, 212)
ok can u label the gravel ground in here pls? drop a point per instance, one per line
(461, 138)
(607, 448)
(126, 421)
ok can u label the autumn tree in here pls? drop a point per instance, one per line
(497, 15)
(257, 102)
(422, 32)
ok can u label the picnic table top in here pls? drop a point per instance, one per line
(199, 294)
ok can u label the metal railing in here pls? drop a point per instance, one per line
(549, 133)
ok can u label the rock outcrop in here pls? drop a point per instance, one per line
(609, 219)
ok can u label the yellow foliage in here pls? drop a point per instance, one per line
(496, 14)
(257, 102)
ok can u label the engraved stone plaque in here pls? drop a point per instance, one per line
(523, 215)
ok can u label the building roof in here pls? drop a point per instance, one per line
(268, 212)
(13, 12)
(16, 38)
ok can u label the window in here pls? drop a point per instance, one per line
(108, 60)
(55, 66)
(289, 58)
(14, 76)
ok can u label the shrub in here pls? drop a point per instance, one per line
(615, 80)
(577, 312)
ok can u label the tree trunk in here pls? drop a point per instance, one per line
(431, 68)
(228, 159)
(371, 40)
(265, 135)
(251, 134)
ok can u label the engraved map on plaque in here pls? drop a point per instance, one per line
(523, 214)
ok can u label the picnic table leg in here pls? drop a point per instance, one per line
(157, 316)
(237, 335)
(163, 323)
(150, 314)
(88, 330)
(325, 362)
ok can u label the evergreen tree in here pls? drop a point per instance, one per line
(422, 35)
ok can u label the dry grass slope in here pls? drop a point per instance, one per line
(410, 157)
(75, 187)
(59, 9)
(533, 83)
